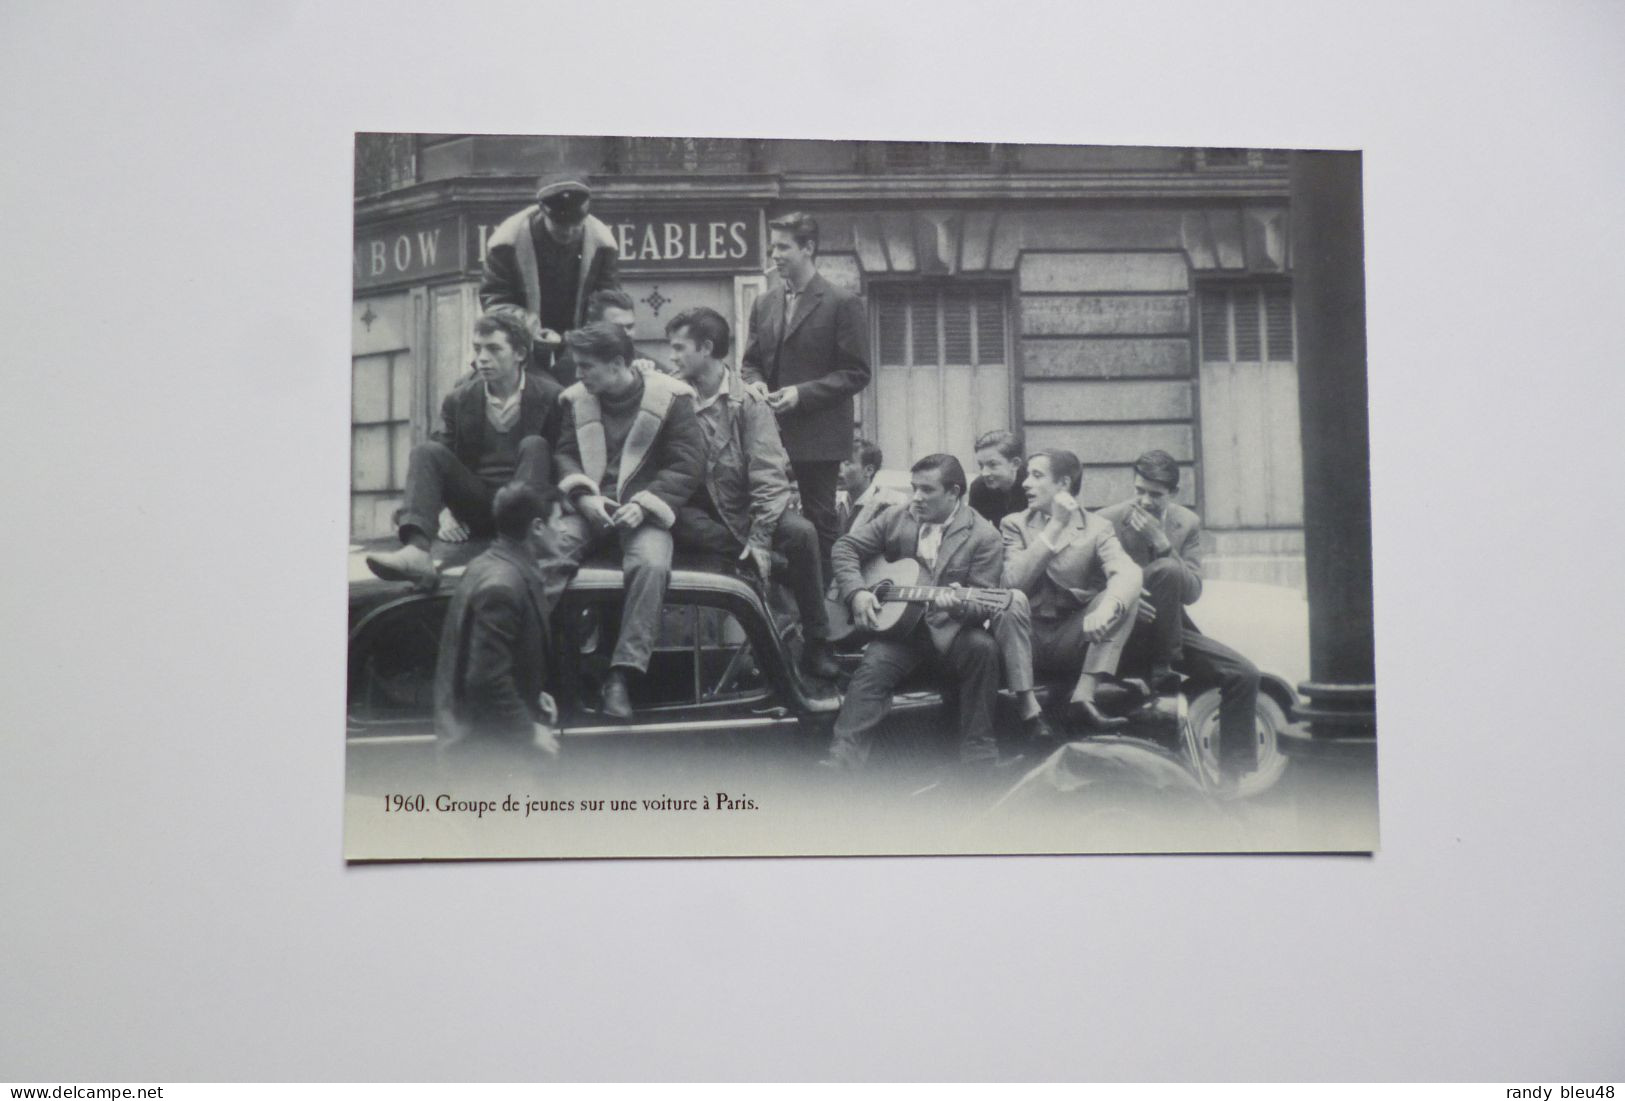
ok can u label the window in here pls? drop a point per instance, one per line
(380, 423)
(702, 654)
(942, 374)
(1239, 159)
(384, 162)
(1247, 323)
(936, 156)
(929, 326)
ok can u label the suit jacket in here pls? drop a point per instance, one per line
(662, 460)
(882, 499)
(511, 278)
(1057, 581)
(462, 415)
(823, 351)
(492, 667)
(1184, 530)
(970, 554)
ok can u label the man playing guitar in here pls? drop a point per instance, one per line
(959, 549)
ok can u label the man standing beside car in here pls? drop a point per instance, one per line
(631, 452)
(497, 425)
(491, 676)
(960, 549)
(1165, 539)
(740, 509)
(808, 354)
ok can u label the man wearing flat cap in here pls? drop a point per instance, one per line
(550, 257)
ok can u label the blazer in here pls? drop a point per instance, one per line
(970, 554)
(462, 415)
(884, 498)
(662, 460)
(1057, 581)
(1184, 530)
(511, 277)
(823, 351)
(492, 667)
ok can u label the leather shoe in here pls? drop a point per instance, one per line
(1037, 731)
(1087, 715)
(616, 703)
(817, 661)
(409, 563)
(1163, 679)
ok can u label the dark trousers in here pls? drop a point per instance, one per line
(1209, 663)
(816, 480)
(697, 529)
(971, 666)
(436, 478)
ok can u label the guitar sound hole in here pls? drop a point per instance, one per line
(882, 589)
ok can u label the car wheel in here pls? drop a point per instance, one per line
(1203, 719)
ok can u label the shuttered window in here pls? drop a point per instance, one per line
(1247, 323)
(931, 326)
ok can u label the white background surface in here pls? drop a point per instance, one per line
(175, 281)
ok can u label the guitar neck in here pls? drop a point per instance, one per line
(920, 594)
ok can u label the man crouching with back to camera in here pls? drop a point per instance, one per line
(490, 698)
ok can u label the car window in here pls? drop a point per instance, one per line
(701, 656)
(392, 662)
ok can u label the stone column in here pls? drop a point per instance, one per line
(1337, 732)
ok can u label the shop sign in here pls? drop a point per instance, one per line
(409, 251)
(666, 241)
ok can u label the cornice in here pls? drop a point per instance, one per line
(700, 190)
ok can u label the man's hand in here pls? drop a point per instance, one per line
(595, 509)
(757, 388)
(949, 601)
(628, 516)
(644, 365)
(782, 401)
(549, 338)
(452, 530)
(1065, 508)
(866, 609)
(1098, 623)
(1150, 527)
(545, 734)
(761, 558)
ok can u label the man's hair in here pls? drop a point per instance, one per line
(869, 453)
(1004, 440)
(1159, 467)
(953, 475)
(802, 226)
(610, 298)
(1062, 464)
(702, 323)
(600, 341)
(518, 503)
(511, 323)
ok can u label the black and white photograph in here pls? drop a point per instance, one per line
(701, 487)
(686, 541)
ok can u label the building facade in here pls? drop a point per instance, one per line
(1103, 299)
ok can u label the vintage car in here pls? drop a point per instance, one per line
(724, 672)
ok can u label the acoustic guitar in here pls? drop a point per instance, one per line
(897, 585)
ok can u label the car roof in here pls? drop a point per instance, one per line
(596, 574)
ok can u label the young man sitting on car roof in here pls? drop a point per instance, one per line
(739, 510)
(498, 425)
(631, 452)
(1165, 539)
